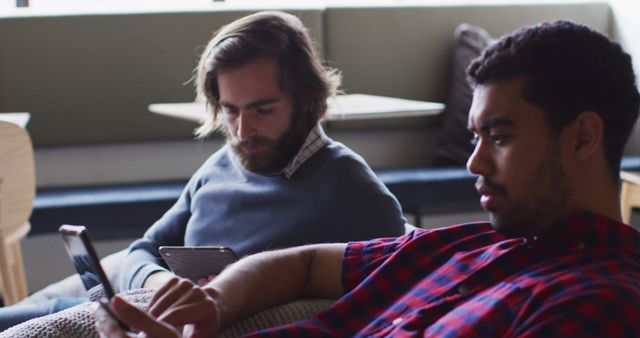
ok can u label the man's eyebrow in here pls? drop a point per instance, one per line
(261, 102)
(492, 122)
(251, 105)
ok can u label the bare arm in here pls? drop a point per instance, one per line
(258, 282)
(271, 278)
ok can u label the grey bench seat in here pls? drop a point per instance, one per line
(121, 211)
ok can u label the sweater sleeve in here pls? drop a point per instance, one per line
(143, 257)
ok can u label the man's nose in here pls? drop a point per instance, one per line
(245, 126)
(479, 162)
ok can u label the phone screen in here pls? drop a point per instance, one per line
(84, 258)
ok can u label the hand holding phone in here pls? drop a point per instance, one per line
(136, 317)
(87, 264)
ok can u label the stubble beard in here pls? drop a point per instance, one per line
(543, 201)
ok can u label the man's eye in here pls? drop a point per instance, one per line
(264, 111)
(229, 111)
(498, 139)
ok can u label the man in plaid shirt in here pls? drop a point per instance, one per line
(553, 107)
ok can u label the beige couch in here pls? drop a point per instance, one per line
(87, 79)
(78, 322)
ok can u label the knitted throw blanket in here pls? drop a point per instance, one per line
(78, 321)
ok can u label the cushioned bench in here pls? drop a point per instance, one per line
(111, 212)
(123, 211)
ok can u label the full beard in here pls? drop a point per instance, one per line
(276, 154)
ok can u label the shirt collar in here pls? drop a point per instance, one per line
(316, 139)
(587, 231)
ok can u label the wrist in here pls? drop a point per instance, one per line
(157, 279)
(226, 315)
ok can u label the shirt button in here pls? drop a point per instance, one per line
(463, 290)
(397, 321)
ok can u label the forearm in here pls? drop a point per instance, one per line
(139, 264)
(271, 278)
(143, 260)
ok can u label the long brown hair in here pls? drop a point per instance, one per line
(267, 34)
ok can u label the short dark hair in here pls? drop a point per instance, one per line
(568, 68)
(268, 34)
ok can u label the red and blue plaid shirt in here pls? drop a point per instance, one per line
(580, 278)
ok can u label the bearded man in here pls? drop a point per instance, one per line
(279, 181)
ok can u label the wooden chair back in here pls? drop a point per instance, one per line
(17, 192)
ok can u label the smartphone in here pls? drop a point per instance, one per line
(86, 262)
(196, 262)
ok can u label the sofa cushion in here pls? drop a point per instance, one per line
(78, 321)
(454, 146)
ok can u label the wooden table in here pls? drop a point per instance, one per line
(20, 119)
(350, 107)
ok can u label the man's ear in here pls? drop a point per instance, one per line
(588, 133)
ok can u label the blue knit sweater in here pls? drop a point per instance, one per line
(333, 197)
